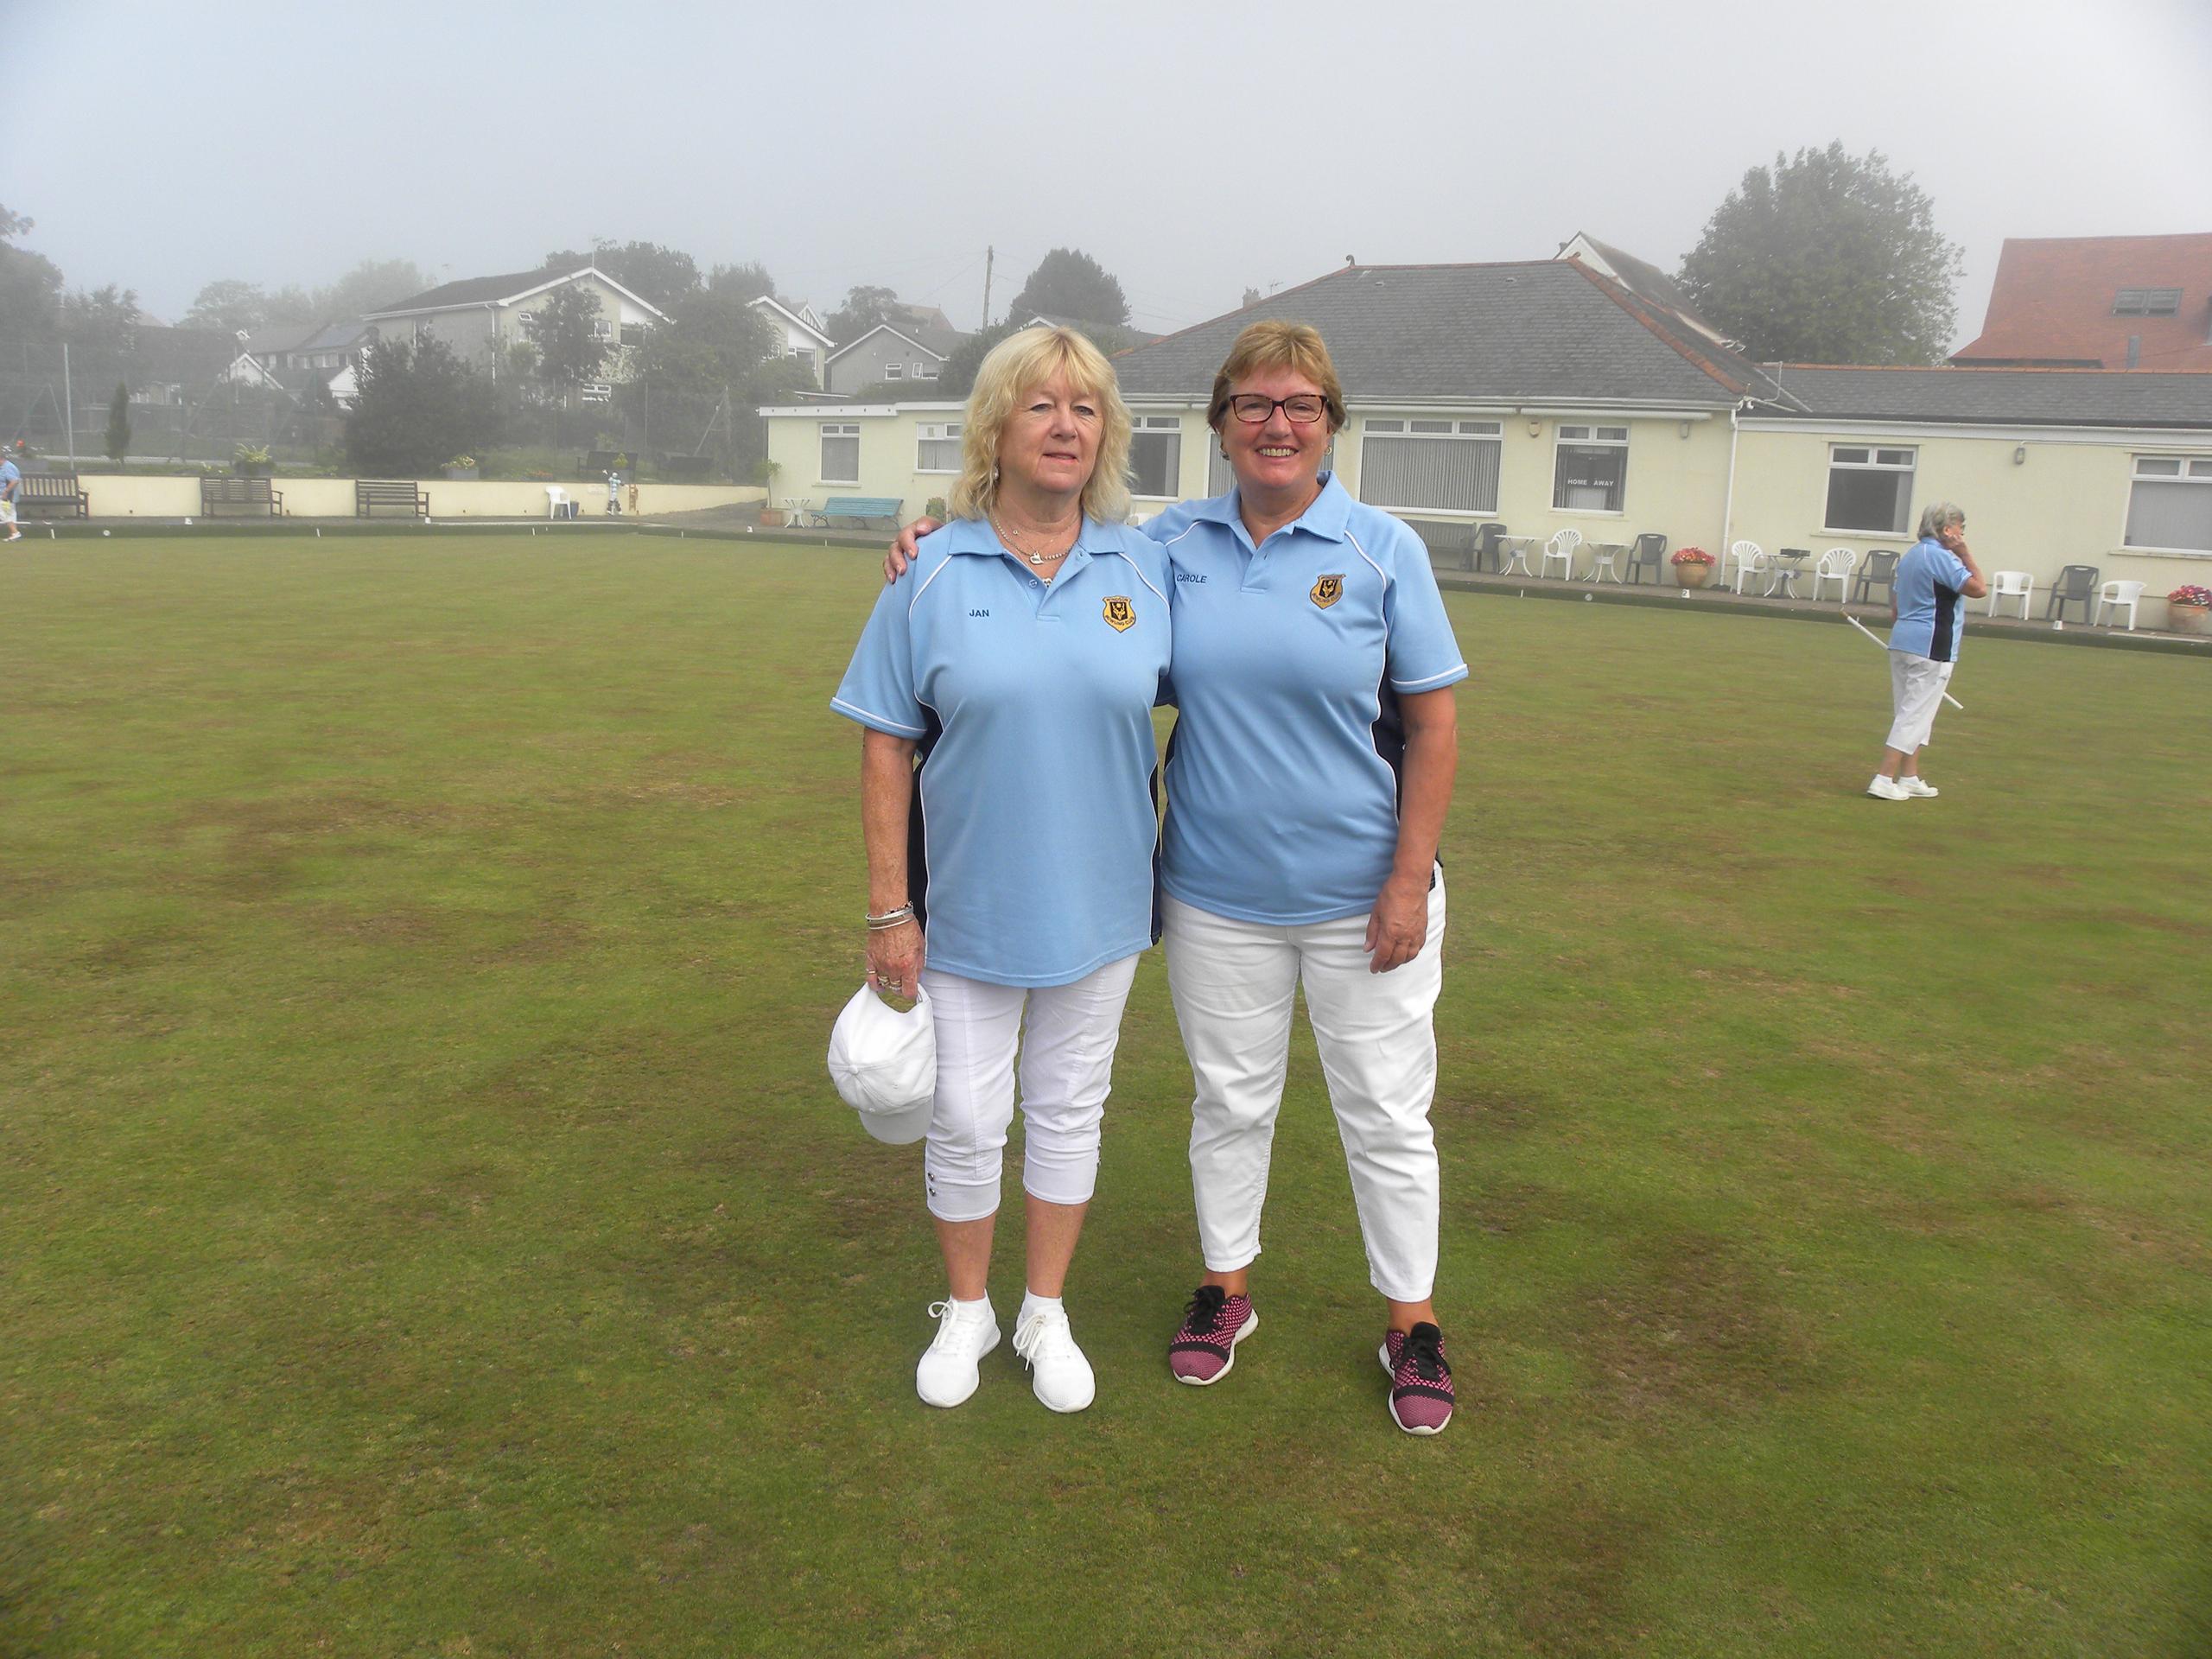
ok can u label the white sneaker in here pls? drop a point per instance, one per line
(1059, 1374)
(1919, 788)
(947, 1373)
(1888, 789)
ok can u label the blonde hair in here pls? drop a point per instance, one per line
(1018, 364)
(1296, 346)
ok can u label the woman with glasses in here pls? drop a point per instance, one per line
(1307, 784)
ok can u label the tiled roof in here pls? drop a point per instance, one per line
(1541, 330)
(2053, 298)
(2000, 397)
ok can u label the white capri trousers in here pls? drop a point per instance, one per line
(1916, 693)
(1066, 1043)
(1233, 984)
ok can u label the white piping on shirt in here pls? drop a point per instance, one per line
(869, 717)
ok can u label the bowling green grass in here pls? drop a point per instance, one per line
(426, 1227)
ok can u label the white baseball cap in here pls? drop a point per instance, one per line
(884, 1064)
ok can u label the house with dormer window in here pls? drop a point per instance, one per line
(2138, 302)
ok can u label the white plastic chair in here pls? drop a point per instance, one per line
(557, 501)
(1835, 565)
(2011, 584)
(1561, 547)
(2116, 594)
(1751, 560)
(1741, 554)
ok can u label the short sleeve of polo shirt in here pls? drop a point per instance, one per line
(878, 689)
(1422, 656)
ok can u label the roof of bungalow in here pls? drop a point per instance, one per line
(1533, 331)
(1993, 396)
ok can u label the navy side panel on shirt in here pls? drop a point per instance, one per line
(1284, 777)
(1930, 620)
(1032, 839)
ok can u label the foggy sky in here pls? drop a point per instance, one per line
(1191, 148)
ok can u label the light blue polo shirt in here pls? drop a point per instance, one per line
(1031, 859)
(1283, 772)
(11, 476)
(1930, 620)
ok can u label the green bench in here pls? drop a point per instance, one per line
(860, 508)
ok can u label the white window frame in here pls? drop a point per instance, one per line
(925, 370)
(1169, 425)
(1867, 458)
(826, 431)
(1438, 431)
(1589, 435)
(895, 371)
(2184, 470)
(601, 329)
(937, 432)
(594, 391)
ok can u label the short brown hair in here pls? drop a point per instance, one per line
(1278, 345)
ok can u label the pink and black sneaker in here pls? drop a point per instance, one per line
(1204, 1346)
(1421, 1379)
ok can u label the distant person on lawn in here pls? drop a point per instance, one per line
(1927, 622)
(11, 485)
(1006, 682)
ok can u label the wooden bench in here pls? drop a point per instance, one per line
(50, 491)
(399, 493)
(860, 508)
(239, 498)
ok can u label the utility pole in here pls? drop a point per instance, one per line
(69, 404)
(989, 255)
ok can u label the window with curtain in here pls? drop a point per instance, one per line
(1433, 465)
(1156, 455)
(1590, 469)
(2170, 504)
(840, 452)
(937, 447)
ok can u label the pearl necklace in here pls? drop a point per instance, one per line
(1013, 544)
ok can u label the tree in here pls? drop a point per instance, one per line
(569, 352)
(104, 322)
(957, 378)
(370, 286)
(228, 305)
(30, 284)
(1828, 258)
(715, 340)
(417, 407)
(863, 308)
(1069, 283)
(749, 281)
(663, 277)
(119, 423)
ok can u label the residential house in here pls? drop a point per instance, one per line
(799, 332)
(892, 353)
(297, 354)
(2098, 301)
(480, 316)
(1548, 396)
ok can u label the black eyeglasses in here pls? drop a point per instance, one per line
(1303, 409)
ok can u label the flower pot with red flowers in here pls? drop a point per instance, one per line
(2187, 608)
(1693, 566)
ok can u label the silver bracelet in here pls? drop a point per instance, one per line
(890, 919)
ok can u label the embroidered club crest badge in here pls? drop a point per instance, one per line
(1329, 590)
(1121, 615)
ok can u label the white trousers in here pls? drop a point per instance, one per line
(1233, 984)
(1916, 693)
(1066, 1043)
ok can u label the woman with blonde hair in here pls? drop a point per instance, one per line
(1006, 683)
